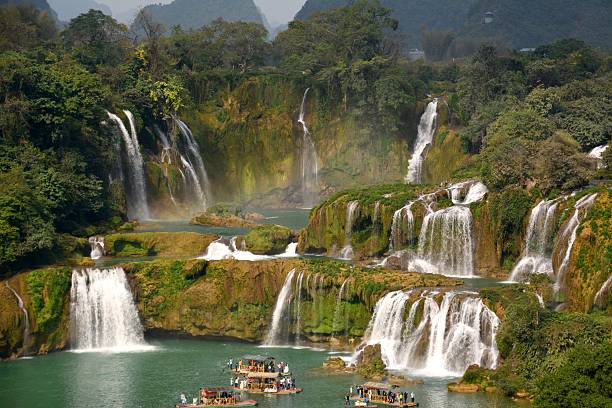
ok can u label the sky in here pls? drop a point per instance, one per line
(276, 11)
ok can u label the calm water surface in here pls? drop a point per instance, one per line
(157, 378)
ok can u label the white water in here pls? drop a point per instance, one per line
(290, 251)
(538, 243)
(298, 314)
(103, 316)
(336, 321)
(194, 158)
(540, 300)
(402, 228)
(280, 310)
(446, 245)
(603, 292)
(569, 234)
(597, 154)
(450, 337)
(138, 207)
(427, 128)
(97, 247)
(347, 251)
(468, 192)
(310, 161)
(26, 321)
(219, 250)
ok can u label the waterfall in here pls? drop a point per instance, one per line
(103, 316)
(427, 128)
(97, 247)
(193, 159)
(597, 154)
(538, 242)
(298, 314)
(136, 190)
(568, 234)
(310, 161)
(347, 251)
(220, 249)
(338, 307)
(290, 251)
(540, 300)
(402, 228)
(446, 244)
(26, 321)
(280, 311)
(467, 192)
(449, 337)
(603, 293)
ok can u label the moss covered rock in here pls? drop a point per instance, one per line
(222, 220)
(268, 239)
(167, 244)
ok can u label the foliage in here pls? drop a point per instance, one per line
(48, 289)
(268, 239)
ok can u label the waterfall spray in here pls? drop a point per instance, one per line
(310, 160)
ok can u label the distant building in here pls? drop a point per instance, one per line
(489, 17)
(527, 50)
(416, 54)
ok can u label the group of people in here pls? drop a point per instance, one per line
(388, 396)
(287, 383)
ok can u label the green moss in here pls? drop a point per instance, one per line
(176, 244)
(48, 290)
(268, 239)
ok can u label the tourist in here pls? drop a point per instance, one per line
(347, 398)
(183, 399)
(412, 396)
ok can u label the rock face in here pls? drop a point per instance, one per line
(268, 239)
(370, 364)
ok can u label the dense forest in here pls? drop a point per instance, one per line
(525, 121)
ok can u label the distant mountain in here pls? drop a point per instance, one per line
(516, 23)
(40, 4)
(69, 9)
(197, 13)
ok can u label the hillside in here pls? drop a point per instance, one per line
(68, 9)
(546, 21)
(197, 13)
(41, 4)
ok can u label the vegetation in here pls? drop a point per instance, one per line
(268, 239)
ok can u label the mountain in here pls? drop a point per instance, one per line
(69, 9)
(515, 23)
(197, 13)
(40, 4)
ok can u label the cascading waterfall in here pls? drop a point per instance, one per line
(402, 228)
(467, 192)
(103, 316)
(603, 293)
(597, 154)
(166, 158)
(538, 243)
(97, 247)
(347, 251)
(192, 160)
(136, 190)
(446, 245)
(280, 313)
(338, 307)
(427, 128)
(569, 234)
(298, 312)
(449, 337)
(26, 321)
(222, 249)
(310, 161)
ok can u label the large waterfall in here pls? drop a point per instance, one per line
(433, 339)
(136, 190)
(568, 234)
(192, 161)
(310, 161)
(427, 128)
(347, 251)
(103, 316)
(446, 244)
(538, 242)
(280, 314)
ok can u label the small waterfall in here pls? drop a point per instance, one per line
(538, 243)
(347, 251)
(402, 228)
(338, 307)
(467, 192)
(310, 161)
(26, 321)
(569, 234)
(290, 251)
(103, 315)
(97, 247)
(221, 249)
(540, 300)
(298, 313)
(449, 337)
(193, 163)
(603, 293)
(136, 190)
(446, 244)
(427, 128)
(597, 154)
(280, 311)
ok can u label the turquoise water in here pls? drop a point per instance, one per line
(157, 378)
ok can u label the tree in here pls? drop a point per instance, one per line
(436, 43)
(25, 27)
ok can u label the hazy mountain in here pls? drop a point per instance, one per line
(68, 9)
(197, 13)
(516, 23)
(41, 4)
